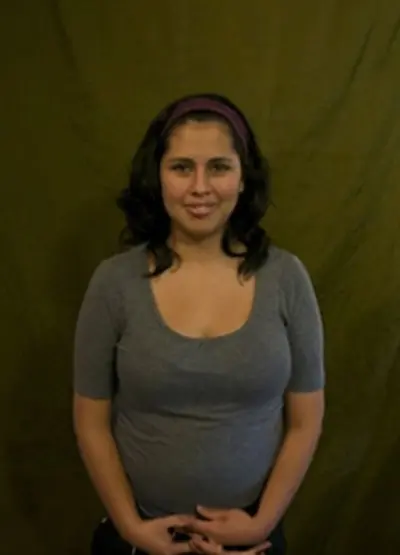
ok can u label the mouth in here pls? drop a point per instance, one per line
(200, 210)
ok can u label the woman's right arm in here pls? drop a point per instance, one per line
(98, 330)
(101, 459)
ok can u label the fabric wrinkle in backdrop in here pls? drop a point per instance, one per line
(320, 82)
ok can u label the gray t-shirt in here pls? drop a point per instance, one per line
(197, 421)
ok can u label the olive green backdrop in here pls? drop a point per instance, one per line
(320, 81)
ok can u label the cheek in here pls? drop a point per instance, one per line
(173, 190)
(228, 189)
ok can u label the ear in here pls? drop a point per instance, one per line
(241, 187)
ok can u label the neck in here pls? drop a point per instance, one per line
(191, 250)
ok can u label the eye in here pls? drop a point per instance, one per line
(220, 167)
(181, 168)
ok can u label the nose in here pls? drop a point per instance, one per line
(200, 183)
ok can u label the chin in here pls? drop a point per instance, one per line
(201, 232)
(201, 228)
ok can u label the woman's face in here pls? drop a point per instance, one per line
(201, 178)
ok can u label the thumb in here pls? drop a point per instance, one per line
(180, 548)
(211, 514)
(177, 521)
(262, 547)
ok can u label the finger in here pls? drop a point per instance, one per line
(195, 549)
(205, 547)
(211, 514)
(177, 521)
(202, 527)
(194, 539)
(180, 548)
(258, 549)
(246, 552)
(198, 537)
(194, 546)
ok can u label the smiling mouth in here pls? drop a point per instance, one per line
(200, 210)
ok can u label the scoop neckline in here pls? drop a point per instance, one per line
(187, 338)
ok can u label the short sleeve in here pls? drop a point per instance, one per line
(304, 328)
(96, 335)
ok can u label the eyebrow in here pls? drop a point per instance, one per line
(214, 159)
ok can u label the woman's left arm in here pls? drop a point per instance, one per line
(304, 416)
(304, 399)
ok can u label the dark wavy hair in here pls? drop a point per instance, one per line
(147, 222)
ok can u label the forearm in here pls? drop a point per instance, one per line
(287, 475)
(103, 464)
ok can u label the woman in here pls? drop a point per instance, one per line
(199, 353)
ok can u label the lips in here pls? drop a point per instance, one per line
(200, 210)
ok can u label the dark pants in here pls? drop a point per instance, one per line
(107, 541)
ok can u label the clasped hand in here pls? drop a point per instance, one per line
(228, 527)
(206, 535)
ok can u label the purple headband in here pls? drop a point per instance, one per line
(210, 105)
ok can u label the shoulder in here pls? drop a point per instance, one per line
(114, 271)
(285, 264)
(290, 274)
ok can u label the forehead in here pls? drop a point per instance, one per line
(201, 138)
